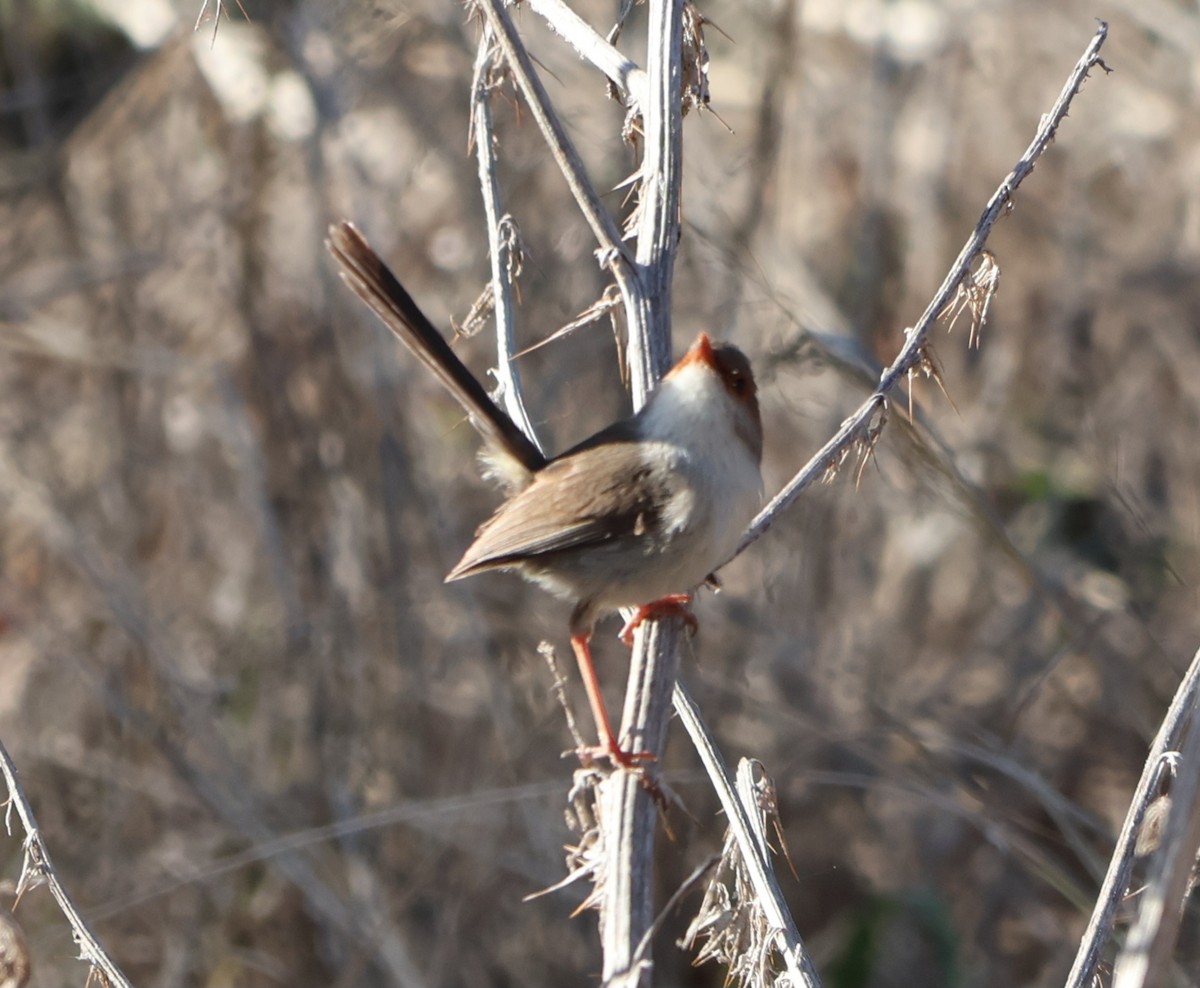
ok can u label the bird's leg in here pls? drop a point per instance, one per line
(608, 746)
(673, 604)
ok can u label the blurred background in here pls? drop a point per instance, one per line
(268, 746)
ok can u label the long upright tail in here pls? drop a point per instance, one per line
(371, 280)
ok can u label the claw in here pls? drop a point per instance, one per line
(632, 761)
(674, 605)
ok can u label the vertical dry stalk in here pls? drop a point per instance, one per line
(628, 908)
(644, 284)
(503, 250)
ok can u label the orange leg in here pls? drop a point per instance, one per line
(608, 742)
(673, 604)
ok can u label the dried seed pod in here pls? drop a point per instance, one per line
(1153, 823)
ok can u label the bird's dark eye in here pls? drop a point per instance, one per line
(739, 384)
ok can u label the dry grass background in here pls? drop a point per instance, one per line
(228, 500)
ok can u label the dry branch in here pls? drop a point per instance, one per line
(628, 908)
(645, 287)
(737, 802)
(38, 869)
(503, 251)
(611, 253)
(861, 426)
(1145, 960)
(864, 427)
(621, 71)
(1116, 882)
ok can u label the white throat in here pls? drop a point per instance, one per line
(689, 426)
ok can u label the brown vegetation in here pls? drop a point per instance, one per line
(266, 744)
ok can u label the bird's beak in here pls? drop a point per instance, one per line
(701, 352)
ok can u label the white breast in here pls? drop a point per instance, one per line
(690, 424)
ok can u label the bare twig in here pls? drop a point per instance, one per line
(621, 71)
(628, 810)
(1116, 882)
(1145, 959)
(603, 306)
(38, 869)
(857, 426)
(644, 285)
(612, 253)
(742, 813)
(500, 248)
(677, 897)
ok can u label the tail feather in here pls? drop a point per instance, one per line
(371, 280)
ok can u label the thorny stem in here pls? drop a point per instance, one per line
(858, 425)
(800, 968)
(38, 868)
(644, 285)
(1145, 959)
(499, 249)
(612, 252)
(627, 908)
(1116, 882)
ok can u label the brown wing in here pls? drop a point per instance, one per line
(599, 491)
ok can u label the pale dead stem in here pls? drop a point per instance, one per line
(744, 918)
(1170, 833)
(611, 253)
(969, 286)
(1160, 904)
(643, 281)
(504, 239)
(618, 828)
(37, 869)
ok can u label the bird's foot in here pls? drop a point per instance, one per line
(639, 763)
(631, 761)
(672, 605)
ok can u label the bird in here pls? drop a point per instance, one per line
(635, 517)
